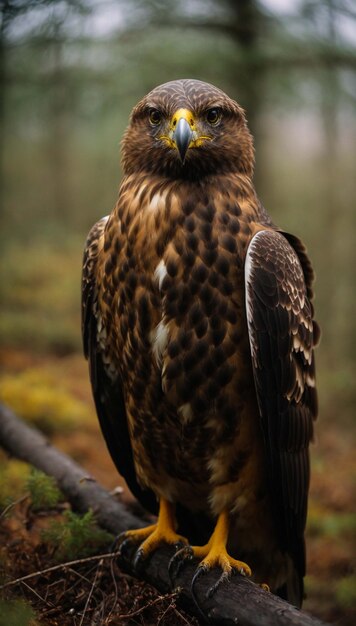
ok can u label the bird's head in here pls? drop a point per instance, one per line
(187, 129)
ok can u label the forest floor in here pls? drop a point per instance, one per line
(53, 394)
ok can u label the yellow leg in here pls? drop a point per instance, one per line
(214, 553)
(152, 536)
(138, 535)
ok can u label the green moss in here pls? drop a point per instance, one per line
(38, 397)
(43, 490)
(75, 536)
(13, 477)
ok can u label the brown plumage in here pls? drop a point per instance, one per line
(198, 326)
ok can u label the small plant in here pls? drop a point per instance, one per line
(43, 490)
(16, 612)
(75, 536)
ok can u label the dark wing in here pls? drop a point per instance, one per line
(105, 381)
(282, 335)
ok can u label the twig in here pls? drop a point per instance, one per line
(169, 607)
(116, 595)
(12, 504)
(182, 617)
(98, 570)
(68, 564)
(50, 604)
(147, 606)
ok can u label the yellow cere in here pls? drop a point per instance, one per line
(197, 140)
(186, 115)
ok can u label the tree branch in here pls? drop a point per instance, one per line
(82, 491)
(239, 602)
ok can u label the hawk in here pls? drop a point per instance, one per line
(198, 327)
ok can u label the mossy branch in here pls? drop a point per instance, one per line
(241, 602)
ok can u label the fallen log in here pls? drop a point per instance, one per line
(239, 602)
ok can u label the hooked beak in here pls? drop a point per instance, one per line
(183, 133)
(182, 136)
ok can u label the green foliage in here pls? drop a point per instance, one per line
(76, 536)
(346, 592)
(43, 490)
(331, 524)
(16, 613)
(13, 476)
(40, 398)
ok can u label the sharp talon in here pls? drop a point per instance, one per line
(138, 560)
(225, 576)
(119, 539)
(179, 545)
(184, 554)
(178, 560)
(201, 570)
(125, 544)
(244, 571)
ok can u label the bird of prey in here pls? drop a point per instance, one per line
(198, 327)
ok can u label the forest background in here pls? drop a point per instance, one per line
(70, 73)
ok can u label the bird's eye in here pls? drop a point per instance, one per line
(213, 116)
(155, 117)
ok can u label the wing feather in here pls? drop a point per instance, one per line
(282, 335)
(105, 381)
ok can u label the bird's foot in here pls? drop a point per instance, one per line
(178, 560)
(153, 536)
(211, 555)
(217, 556)
(154, 540)
(126, 539)
(184, 555)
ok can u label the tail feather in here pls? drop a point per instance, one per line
(293, 589)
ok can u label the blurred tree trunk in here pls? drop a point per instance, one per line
(247, 75)
(246, 26)
(9, 11)
(243, 21)
(4, 17)
(58, 123)
(51, 34)
(336, 211)
(60, 103)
